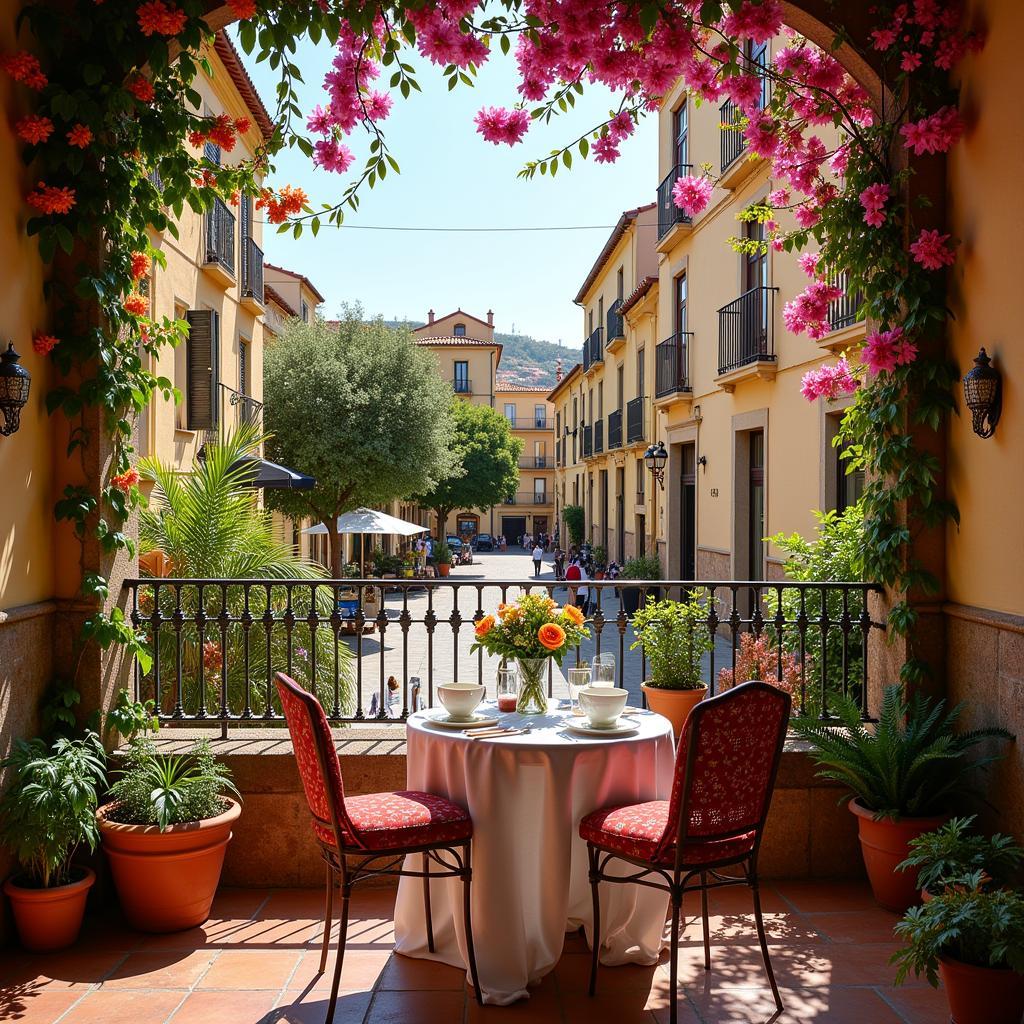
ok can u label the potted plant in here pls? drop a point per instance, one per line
(954, 850)
(674, 636)
(644, 567)
(904, 772)
(165, 832)
(600, 558)
(443, 557)
(408, 564)
(46, 814)
(971, 937)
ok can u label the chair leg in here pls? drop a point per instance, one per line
(328, 919)
(346, 892)
(426, 902)
(762, 938)
(467, 878)
(595, 893)
(704, 915)
(673, 967)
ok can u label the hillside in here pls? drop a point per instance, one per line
(524, 360)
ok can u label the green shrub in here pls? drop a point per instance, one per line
(575, 519)
(644, 567)
(674, 635)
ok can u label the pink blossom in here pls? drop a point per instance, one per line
(319, 121)
(883, 351)
(692, 193)
(829, 382)
(873, 199)
(332, 156)
(806, 216)
(937, 133)
(758, 21)
(883, 38)
(808, 312)
(911, 61)
(605, 150)
(932, 250)
(780, 197)
(378, 106)
(621, 126)
(498, 125)
(809, 263)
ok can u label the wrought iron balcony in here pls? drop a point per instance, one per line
(596, 348)
(635, 420)
(732, 141)
(598, 437)
(844, 311)
(672, 365)
(529, 498)
(220, 236)
(588, 441)
(616, 323)
(585, 358)
(535, 462)
(746, 330)
(464, 386)
(668, 213)
(252, 270)
(615, 429)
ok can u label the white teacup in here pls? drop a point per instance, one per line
(603, 704)
(460, 699)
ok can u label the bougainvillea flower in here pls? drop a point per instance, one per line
(692, 193)
(24, 68)
(80, 136)
(51, 198)
(159, 18)
(33, 128)
(44, 343)
(141, 88)
(873, 199)
(932, 250)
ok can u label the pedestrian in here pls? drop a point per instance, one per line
(538, 555)
(559, 562)
(583, 599)
(428, 548)
(571, 574)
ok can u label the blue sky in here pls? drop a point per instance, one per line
(452, 177)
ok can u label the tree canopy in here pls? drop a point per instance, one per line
(358, 406)
(486, 471)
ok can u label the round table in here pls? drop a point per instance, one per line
(526, 795)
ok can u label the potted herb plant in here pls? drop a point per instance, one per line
(443, 557)
(46, 814)
(674, 636)
(904, 773)
(165, 832)
(644, 567)
(970, 936)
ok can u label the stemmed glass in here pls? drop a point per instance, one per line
(602, 673)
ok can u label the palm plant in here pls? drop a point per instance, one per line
(910, 765)
(209, 526)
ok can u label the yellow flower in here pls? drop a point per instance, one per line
(573, 614)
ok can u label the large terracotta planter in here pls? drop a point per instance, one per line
(675, 705)
(981, 995)
(49, 919)
(884, 845)
(444, 568)
(166, 880)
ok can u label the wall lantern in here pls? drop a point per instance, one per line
(983, 394)
(15, 382)
(656, 457)
(703, 463)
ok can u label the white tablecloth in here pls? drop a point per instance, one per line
(526, 795)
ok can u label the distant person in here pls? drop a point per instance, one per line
(559, 562)
(538, 555)
(572, 574)
(583, 597)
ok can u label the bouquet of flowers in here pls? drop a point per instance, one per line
(531, 629)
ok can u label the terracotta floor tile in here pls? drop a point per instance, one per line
(572, 973)
(421, 1007)
(247, 969)
(817, 897)
(921, 1005)
(781, 928)
(225, 1008)
(77, 967)
(855, 925)
(148, 1007)
(166, 970)
(28, 1004)
(821, 1006)
(405, 973)
(238, 903)
(351, 1009)
(542, 1007)
(738, 899)
(839, 963)
(360, 971)
(618, 1007)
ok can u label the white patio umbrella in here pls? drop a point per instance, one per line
(370, 520)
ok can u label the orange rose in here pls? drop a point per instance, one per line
(573, 614)
(551, 636)
(484, 626)
(502, 610)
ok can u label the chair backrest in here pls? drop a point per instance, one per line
(317, 759)
(726, 764)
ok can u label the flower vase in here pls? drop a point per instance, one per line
(533, 699)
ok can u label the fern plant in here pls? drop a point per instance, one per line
(910, 765)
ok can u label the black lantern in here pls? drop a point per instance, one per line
(656, 457)
(15, 382)
(983, 394)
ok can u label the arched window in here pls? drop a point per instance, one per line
(460, 330)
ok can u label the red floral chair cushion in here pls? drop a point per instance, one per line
(385, 821)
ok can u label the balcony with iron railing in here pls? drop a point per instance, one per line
(588, 441)
(669, 215)
(598, 436)
(672, 365)
(843, 313)
(616, 326)
(220, 242)
(635, 409)
(594, 345)
(746, 337)
(252, 273)
(535, 462)
(615, 429)
(529, 498)
(733, 144)
(463, 386)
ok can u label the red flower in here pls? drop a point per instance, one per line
(222, 131)
(242, 125)
(140, 265)
(51, 199)
(211, 656)
(34, 128)
(125, 481)
(44, 343)
(24, 67)
(141, 88)
(197, 138)
(136, 304)
(80, 136)
(242, 9)
(159, 18)
(289, 201)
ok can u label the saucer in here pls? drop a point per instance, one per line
(620, 729)
(441, 717)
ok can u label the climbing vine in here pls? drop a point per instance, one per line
(115, 137)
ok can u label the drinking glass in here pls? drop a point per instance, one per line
(602, 673)
(507, 689)
(578, 678)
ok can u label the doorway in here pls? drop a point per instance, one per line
(688, 513)
(755, 505)
(620, 515)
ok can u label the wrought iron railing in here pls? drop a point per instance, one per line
(746, 329)
(598, 436)
(462, 386)
(616, 322)
(672, 364)
(252, 270)
(615, 429)
(588, 441)
(596, 347)
(844, 311)
(635, 420)
(534, 462)
(732, 141)
(220, 236)
(668, 213)
(585, 358)
(216, 643)
(249, 410)
(528, 498)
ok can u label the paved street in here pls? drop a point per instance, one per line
(489, 580)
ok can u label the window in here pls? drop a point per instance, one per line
(755, 262)
(181, 372)
(540, 416)
(459, 330)
(461, 381)
(755, 565)
(620, 284)
(600, 311)
(243, 366)
(600, 399)
(590, 321)
(849, 486)
(680, 135)
(203, 374)
(757, 57)
(641, 476)
(305, 312)
(539, 489)
(620, 385)
(679, 311)
(575, 417)
(540, 457)
(510, 412)
(640, 373)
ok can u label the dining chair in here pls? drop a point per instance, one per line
(726, 763)
(368, 836)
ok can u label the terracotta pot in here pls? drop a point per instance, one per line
(981, 995)
(885, 844)
(166, 880)
(675, 705)
(444, 568)
(49, 919)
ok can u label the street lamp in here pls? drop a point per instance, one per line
(655, 457)
(15, 382)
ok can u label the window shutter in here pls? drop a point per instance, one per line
(203, 368)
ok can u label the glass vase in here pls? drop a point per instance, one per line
(533, 698)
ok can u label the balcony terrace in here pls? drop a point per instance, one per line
(615, 429)
(746, 338)
(672, 365)
(671, 219)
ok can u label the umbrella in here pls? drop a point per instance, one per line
(370, 520)
(266, 474)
